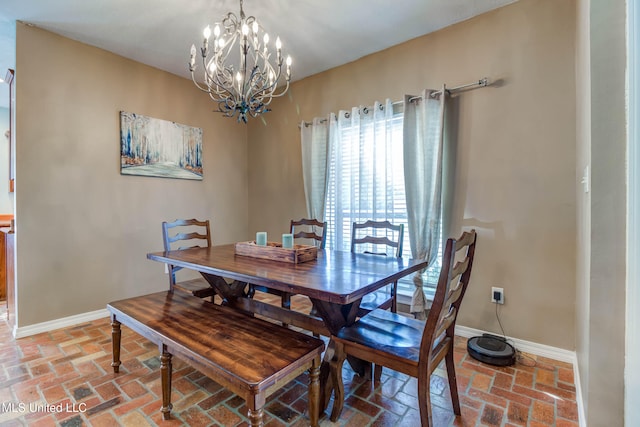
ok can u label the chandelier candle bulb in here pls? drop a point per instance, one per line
(192, 61)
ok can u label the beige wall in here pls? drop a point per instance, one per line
(516, 172)
(602, 271)
(83, 230)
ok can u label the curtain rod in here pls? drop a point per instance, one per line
(483, 82)
(480, 83)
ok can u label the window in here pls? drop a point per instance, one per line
(366, 180)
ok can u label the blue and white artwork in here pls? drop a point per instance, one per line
(155, 147)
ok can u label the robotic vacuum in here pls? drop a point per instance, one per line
(491, 349)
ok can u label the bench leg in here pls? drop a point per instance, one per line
(255, 417)
(165, 374)
(314, 392)
(116, 334)
(255, 404)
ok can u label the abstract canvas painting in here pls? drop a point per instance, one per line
(155, 147)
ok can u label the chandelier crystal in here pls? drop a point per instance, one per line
(248, 86)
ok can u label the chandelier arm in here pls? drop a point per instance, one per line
(257, 81)
(277, 95)
(269, 90)
(193, 78)
(211, 90)
(215, 78)
(264, 88)
(220, 86)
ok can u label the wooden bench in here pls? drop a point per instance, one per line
(249, 356)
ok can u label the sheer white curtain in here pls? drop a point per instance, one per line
(365, 176)
(314, 139)
(423, 169)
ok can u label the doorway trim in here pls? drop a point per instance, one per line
(632, 330)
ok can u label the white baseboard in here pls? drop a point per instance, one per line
(543, 350)
(25, 331)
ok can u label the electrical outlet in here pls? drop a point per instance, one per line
(497, 295)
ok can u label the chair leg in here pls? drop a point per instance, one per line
(377, 372)
(336, 375)
(251, 291)
(394, 297)
(453, 383)
(424, 401)
(285, 302)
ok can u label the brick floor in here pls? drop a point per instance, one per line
(64, 378)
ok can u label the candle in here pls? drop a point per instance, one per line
(287, 241)
(261, 238)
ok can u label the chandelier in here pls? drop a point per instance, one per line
(248, 86)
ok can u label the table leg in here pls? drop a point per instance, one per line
(336, 377)
(165, 374)
(115, 344)
(335, 316)
(227, 291)
(326, 382)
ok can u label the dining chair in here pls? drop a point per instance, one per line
(301, 229)
(372, 235)
(309, 229)
(407, 345)
(189, 233)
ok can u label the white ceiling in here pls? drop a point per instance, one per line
(318, 34)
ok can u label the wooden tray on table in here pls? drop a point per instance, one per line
(275, 252)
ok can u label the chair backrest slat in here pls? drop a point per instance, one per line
(376, 241)
(307, 235)
(467, 239)
(459, 268)
(446, 321)
(187, 236)
(453, 295)
(368, 228)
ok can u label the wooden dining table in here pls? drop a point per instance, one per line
(335, 282)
